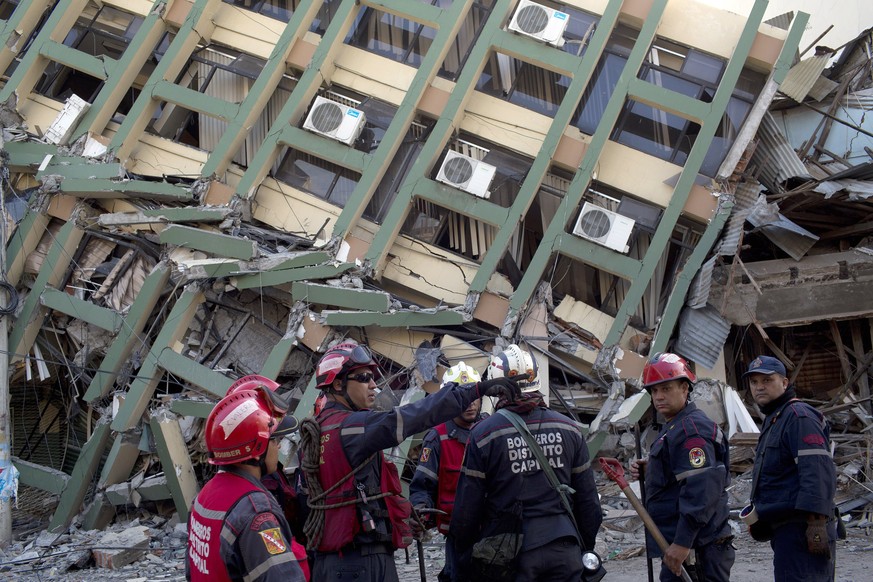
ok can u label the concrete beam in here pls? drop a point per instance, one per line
(78, 167)
(197, 408)
(173, 453)
(164, 215)
(198, 374)
(340, 296)
(397, 319)
(80, 480)
(154, 488)
(324, 148)
(214, 243)
(23, 242)
(273, 278)
(97, 67)
(195, 100)
(133, 189)
(128, 335)
(101, 317)
(143, 387)
(41, 477)
(53, 269)
(26, 156)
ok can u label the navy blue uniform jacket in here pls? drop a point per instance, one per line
(499, 469)
(686, 481)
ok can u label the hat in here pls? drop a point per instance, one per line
(288, 425)
(766, 365)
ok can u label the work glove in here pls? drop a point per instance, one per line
(505, 387)
(817, 535)
(416, 523)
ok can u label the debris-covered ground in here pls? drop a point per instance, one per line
(152, 548)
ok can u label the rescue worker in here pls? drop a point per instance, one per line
(793, 479)
(687, 474)
(357, 515)
(439, 465)
(236, 529)
(503, 491)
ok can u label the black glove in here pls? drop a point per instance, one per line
(417, 523)
(817, 535)
(506, 387)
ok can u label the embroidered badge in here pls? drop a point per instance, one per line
(696, 457)
(274, 541)
(425, 455)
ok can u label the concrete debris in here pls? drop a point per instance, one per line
(155, 257)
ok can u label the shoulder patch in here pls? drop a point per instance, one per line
(694, 443)
(273, 541)
(263, 518)
(696, 457)
(425, 455)
(815, 440)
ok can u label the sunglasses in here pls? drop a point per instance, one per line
(362, 378)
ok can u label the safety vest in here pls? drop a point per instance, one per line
(451, 458)
(205, 521)
(342, 524)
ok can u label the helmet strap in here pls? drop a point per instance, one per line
(345, 395)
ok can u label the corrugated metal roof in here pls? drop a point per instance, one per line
(802, 77)
(774, 158)
(702, 333)
(744, 199)
(699, 292)
(782, 21)
(822, 88)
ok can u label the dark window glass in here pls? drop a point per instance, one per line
(461, 45)
(391, 36)
(278, 9)
(522, 83)
(316, 176)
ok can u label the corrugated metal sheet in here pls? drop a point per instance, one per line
(802, 77)
(744, 198)
(698, 295)
(788, 236)
(822, 88)
(782, 21)
(857, 189)
(702, 333)
(775, 159)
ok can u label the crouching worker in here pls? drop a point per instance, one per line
(236, 529)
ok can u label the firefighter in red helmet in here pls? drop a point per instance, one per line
(687, 475)
(358, 516)
(236, 529)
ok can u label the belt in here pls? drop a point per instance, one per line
(369, 549)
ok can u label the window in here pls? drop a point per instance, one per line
(391, 36)
(522, 83)
(458, 233)
(604, 79)
(467, 35)
(696, 75)
(226, 74)
(278, 9)
(397, 171)
(316, 176)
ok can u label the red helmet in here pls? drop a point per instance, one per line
(340, 360)
(665, 367)
(252, 381)
(241, 424)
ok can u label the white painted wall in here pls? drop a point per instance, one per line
(849, 17)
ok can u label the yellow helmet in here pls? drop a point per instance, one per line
(461, 373)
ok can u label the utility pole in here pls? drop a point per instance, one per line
(7, 471)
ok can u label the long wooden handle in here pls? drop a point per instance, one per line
(650, 525)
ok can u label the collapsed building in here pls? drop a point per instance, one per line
(196, 190)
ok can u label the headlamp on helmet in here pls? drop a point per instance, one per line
(461, 373)
(514, 361)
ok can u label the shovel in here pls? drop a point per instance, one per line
(614, 470)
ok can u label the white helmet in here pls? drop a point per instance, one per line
(461, 373)
(513, 361)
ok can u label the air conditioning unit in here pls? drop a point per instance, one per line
(540, 22)
(335, 120)
(466, 173)
(604, 227)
